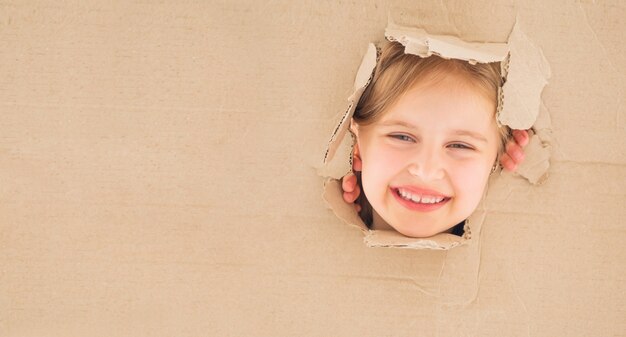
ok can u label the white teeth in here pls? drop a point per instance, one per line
(419, 199)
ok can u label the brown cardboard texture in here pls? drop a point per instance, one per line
(526, 71)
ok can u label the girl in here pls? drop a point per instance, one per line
(426, 142)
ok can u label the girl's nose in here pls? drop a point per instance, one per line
(427, 167)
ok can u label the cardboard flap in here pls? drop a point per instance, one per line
(528, 73)
(363, 77)
(418, 42)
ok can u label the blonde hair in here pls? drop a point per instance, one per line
(397, 72)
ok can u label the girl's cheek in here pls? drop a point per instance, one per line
(470, 177)
(382, 166)
(391, 157)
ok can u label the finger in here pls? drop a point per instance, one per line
(350, 197)
(521, 137)
(348, 182)
(508, 163)
(515, 152)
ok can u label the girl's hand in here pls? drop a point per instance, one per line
(510, 160)
(514, 154)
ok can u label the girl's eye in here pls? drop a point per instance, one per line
(460, 146)
(403, 138)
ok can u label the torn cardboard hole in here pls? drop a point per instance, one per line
(526, 72)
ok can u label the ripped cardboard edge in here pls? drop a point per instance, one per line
(418, 42)
(525, 72)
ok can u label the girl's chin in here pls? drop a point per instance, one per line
(421, 233)
(423, 229)
(416, 228)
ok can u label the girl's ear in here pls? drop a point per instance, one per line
(356, 158)
(354, 128)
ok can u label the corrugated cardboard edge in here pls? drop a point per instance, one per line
(529, 78)
(379, 238)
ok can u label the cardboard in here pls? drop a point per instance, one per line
(158, 176)
(526, 72)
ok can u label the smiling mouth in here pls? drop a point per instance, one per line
(420, 199)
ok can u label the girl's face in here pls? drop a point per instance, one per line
(426, 161)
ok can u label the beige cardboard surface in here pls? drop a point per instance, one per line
(158, 176)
